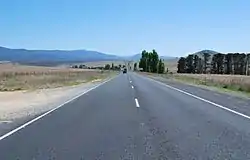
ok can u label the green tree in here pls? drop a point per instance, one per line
(120, 66)
(112, 66)
(75, 66)
(154, 61)
(82, 66)
(214, 65)
(161, 66)
(143, 61)
(217, 64)
(229, 63)
(242, 61)
(149, 61)
(200, 66)
(247, 63)
(107, 67)
(236, 63)
(239, 63)
(190, 63)
(196, 63)
(220, 63)
(135, 66)
(181, 65)
(206, 58)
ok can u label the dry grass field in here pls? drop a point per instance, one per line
(228, 82)
(233, 82)
(171, 65)
(18, 77)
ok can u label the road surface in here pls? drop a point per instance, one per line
(133, 117)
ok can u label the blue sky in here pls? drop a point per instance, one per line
(125, 27)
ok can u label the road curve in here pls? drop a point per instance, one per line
(132, 117)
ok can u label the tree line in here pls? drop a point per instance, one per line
(105, 67)
(150, 62)
(113, 67)
(231, 63)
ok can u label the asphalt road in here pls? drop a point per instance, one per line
(133, 117)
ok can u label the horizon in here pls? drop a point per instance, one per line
(74, 50)
(101, 51)
(126, 28)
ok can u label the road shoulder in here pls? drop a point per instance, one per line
(235, 102)
(19, 107)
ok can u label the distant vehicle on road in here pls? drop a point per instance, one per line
(124, 70)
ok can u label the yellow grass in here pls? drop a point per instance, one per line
(171, 65)
(234, 82)
(18, 77)
(225, 82)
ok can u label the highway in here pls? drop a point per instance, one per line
(133, 117)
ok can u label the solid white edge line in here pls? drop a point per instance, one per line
(202, 99)
(48, 112)
(137, 103)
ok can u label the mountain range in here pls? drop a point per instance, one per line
(59, 56)
(137, 57)
(23, 55)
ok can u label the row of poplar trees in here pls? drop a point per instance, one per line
(150, 62)
(231, 63)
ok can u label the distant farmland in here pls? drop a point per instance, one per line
(19, 77)
(171, 64)
(102, 63)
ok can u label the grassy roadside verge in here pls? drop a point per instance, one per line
(31, 80)
(231, 84)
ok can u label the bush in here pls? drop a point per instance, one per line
(107, 67)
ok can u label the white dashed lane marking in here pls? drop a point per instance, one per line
(137, 103)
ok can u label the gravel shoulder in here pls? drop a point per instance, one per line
(20, 106)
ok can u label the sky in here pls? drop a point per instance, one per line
(126, 27)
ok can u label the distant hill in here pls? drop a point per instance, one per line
(137, 57)
(200, 53)
(168, 57)
(56, 57)
(52, 56)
